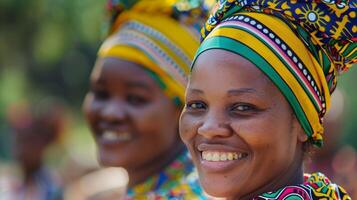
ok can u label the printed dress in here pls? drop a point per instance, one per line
(177, 181)
(316, 187)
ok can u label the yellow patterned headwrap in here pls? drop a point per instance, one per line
(159, 35)
(300, 45)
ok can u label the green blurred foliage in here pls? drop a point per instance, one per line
(47, 49)
(347, 82)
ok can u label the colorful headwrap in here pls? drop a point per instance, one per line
(300, 45)
(160, 35)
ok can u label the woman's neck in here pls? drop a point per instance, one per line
(142, 173)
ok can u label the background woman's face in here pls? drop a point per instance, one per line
(133, 122)
(238, 127)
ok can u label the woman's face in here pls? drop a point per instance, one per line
(240, 130)
(133, 122)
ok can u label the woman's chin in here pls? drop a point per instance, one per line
(218, 190)
(107, 160)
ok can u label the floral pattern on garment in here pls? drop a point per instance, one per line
(316, 187)
(177, 181)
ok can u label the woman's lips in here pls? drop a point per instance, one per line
(218, 157)
(220, 147)
(113, 138)
(218, 160)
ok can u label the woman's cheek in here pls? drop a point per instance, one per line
(258, 131)
(142, 117)
(186, 127)
(91, 109)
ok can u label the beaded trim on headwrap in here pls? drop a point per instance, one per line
(306, 78)
(135, 34)
(137, 26)
(329, 23)
(160, 35)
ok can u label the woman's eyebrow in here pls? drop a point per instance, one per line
(194, 91)
(240, 91)
(137, 84)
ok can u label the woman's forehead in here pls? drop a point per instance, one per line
(220, 68)
(118, 70)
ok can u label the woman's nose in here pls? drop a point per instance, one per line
(215, 126)
(114, 111)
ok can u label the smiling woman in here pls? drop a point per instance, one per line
(136, 96)
(259, 88)
(122, 111)
(240, 129)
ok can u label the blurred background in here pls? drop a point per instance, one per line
(47, 50)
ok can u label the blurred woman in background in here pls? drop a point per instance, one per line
(137, 92)
(34, 128)
(259, 89)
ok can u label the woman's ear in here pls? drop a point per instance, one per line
(301, 135)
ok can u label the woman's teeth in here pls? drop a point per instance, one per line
(115, 136)
(222, 156)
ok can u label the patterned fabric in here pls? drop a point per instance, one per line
(175, 182)
(160, 35)
(340, 166)
(315, 187)
(299, 45)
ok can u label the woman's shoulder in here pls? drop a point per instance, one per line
(186, 185)
(177, 181)
(316, 186)
(323, 188)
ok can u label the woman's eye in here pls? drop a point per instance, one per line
(100, 94)
(196, 106)
(243, 107)
(137, 100)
